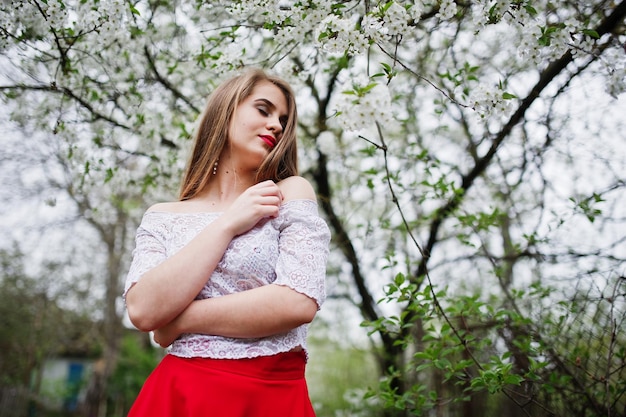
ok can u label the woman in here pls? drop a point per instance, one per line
(232, 273)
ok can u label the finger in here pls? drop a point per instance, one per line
(265, 197)
(268, 186)
(270, 200)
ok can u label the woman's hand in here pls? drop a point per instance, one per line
(260, 201)
(166, 335)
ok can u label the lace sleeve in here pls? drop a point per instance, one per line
(149, 252)
(303, 250)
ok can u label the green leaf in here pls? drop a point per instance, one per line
(109, 175)
(591, 33)
(399, 279)
(530, 10)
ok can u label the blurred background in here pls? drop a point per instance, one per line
(469, 158)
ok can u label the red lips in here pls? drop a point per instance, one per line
(271, 142)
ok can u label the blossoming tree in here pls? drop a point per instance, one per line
(467, 156)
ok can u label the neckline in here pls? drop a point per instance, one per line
(183, 213)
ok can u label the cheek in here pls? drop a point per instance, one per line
(237, 127)
(241, 124)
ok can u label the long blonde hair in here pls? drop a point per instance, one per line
(212, 134)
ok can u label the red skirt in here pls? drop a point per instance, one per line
(268, 386)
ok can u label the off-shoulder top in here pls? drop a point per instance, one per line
(290, 250)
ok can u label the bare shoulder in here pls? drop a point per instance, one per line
(168, 207)
(297, 188)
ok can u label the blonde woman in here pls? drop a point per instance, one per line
(230, 275)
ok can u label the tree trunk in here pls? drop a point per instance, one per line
(114, 237)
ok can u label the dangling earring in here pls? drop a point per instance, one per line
(215, 166)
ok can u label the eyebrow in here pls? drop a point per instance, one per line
(266, 101)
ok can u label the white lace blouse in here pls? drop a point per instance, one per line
(289, 250)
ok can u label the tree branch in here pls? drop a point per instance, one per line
(68, 93)
(546, 77)
(165, 82)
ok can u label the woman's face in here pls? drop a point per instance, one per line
(257, 125)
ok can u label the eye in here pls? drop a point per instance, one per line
(263, 110)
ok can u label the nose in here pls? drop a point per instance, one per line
(274, 125)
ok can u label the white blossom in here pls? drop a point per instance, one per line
(396, 18)
(375, 29)
(614, 63)
(416, 10)
(338, 35)
(447, 10)
(489, 101)
(358, 112)
(382, 23)
(327, 142)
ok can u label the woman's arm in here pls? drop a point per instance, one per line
(166, 290)
(260, 312)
